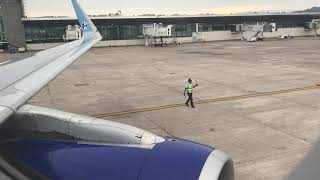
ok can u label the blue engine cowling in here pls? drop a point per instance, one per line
(169, 160)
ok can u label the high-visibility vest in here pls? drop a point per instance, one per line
(190, 88)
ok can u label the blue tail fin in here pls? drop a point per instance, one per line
(84, 21)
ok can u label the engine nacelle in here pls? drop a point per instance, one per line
(41, 130)
(51, 123)
(218, 166)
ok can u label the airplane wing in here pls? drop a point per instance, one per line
(20, 81)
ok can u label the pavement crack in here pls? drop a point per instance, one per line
(162, 128)
(50, 95)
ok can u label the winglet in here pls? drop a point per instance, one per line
(84, 21)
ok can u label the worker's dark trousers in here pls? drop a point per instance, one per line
(190, 99)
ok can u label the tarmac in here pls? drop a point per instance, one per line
(258, 102)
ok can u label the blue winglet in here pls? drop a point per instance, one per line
(84, 21)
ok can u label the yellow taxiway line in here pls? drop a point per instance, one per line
(230, 98)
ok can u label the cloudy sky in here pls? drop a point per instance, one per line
(131, 7)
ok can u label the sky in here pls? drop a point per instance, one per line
(36, 8)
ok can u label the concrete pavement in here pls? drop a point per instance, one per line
(266, 136)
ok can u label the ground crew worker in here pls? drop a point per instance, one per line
(189, 90)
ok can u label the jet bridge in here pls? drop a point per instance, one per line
(257, 29)
(72, 33)
(314, 25)
(154, 34)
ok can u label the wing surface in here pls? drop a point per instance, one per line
(21, 80)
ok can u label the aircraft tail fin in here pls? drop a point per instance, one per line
(84, 21)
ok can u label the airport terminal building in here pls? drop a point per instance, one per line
(38, 33)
